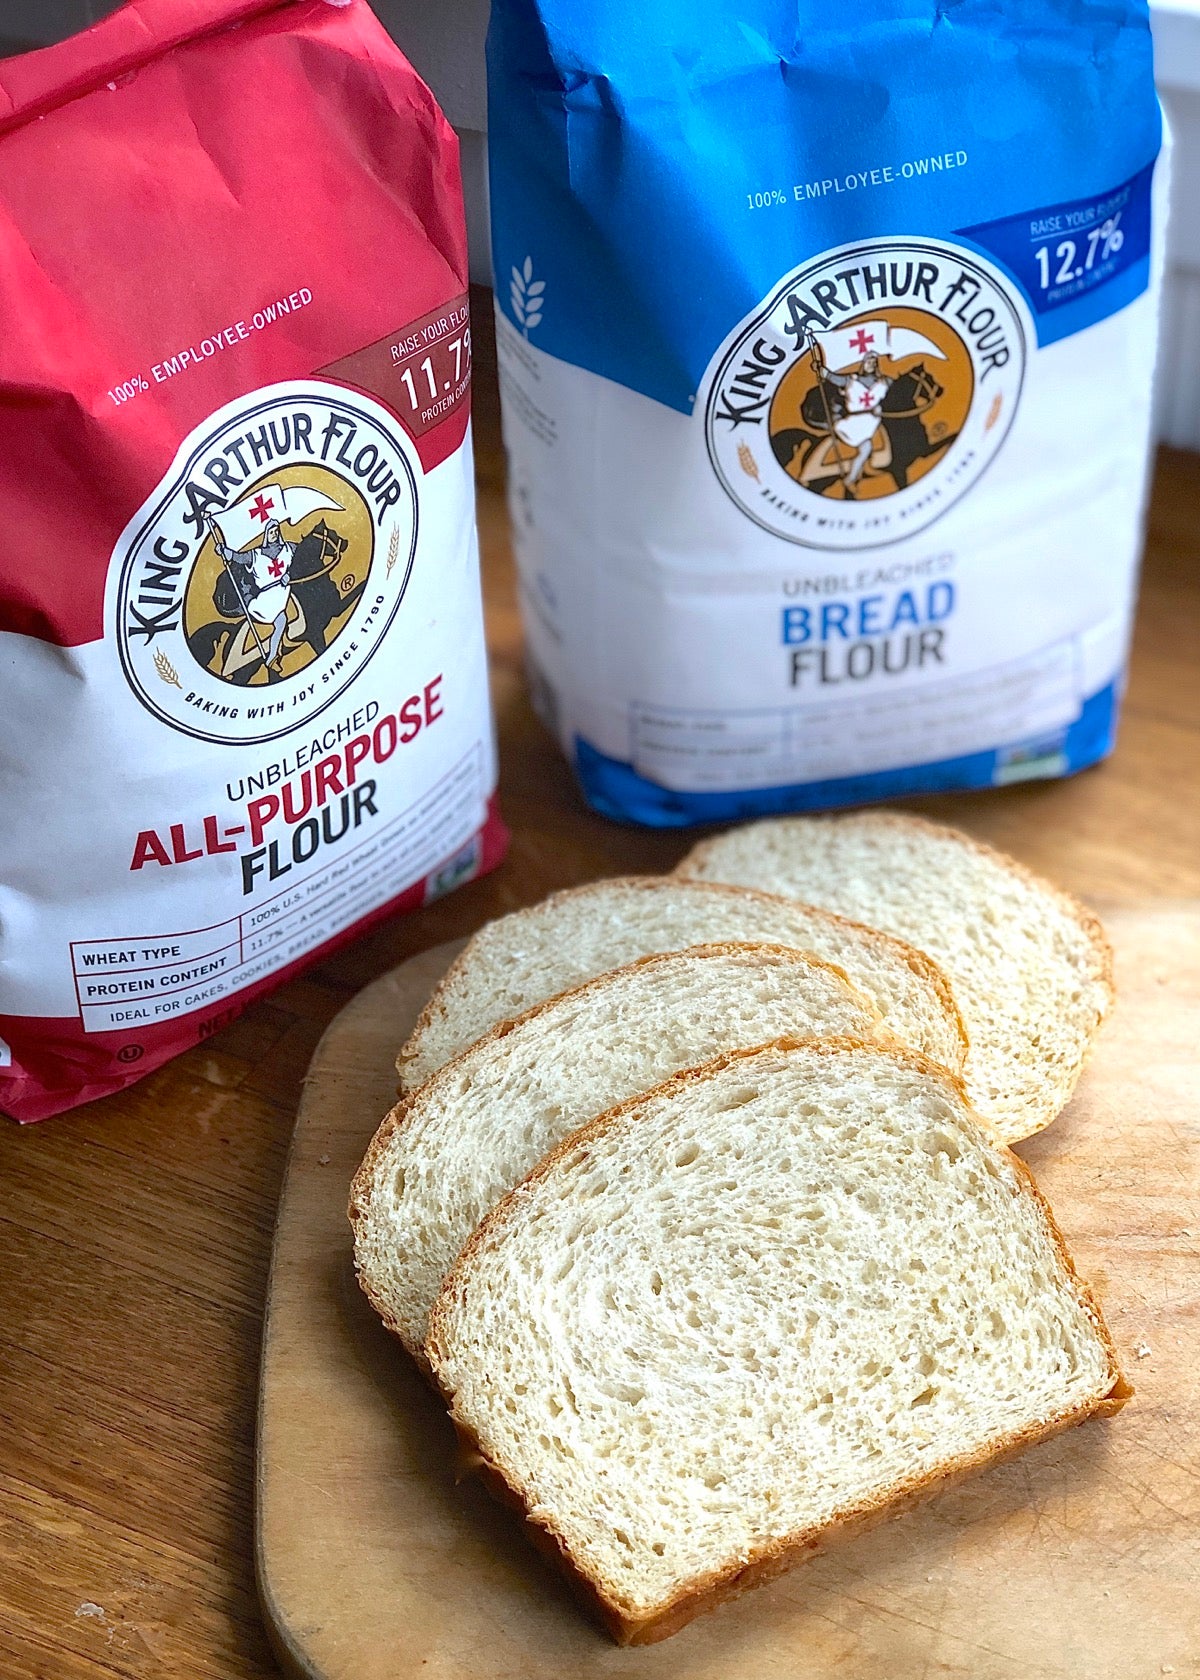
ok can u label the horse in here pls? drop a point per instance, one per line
(322, 601)
(320, 596)
(909, 396)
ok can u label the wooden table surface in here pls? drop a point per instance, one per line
(137, 1231)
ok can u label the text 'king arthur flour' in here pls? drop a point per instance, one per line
(826, 343)
(241, 653)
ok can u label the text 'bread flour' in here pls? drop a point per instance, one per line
(243, 671)
(826, 346)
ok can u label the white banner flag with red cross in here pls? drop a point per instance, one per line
(244, 522)
(846, 347)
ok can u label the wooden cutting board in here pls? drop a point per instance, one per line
(1078, 1561)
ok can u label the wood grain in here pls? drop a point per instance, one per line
(1075, 1560)
(135, 1233)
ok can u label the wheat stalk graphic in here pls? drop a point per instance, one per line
(993, 412)
(166, 670)
(527, 296)
(748, 464)
(393, 549)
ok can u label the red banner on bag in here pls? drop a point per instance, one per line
(245, 686)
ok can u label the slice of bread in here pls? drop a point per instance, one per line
(770, 1301)
(442, 1159)
(1029, 967)
(524, 958)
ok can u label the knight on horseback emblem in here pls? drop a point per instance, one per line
(276, 594)
(256, 585)
(866, 395)
(860, 419)
(270, 562)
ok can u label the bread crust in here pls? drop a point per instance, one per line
(1086, 919)
(917, 961)
(624, 1625)
(397, 1118)
(774, 1559)
(357, 1211)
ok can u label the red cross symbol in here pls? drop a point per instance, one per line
(860, 341)
(276, 568)
(259, 508)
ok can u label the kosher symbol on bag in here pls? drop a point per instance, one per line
(879, 381)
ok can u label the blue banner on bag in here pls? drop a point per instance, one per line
(1080, 261)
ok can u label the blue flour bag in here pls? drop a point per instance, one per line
(826, 340)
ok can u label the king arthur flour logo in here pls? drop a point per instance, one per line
(868, 394)
(266, 569)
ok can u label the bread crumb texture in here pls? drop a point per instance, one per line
(486, 1118)
(770, 1294)
(1029, 967)
(521, 959)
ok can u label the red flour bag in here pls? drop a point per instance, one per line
(242, 667)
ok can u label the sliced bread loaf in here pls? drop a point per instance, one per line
(442, 1159)
(1029, 967)
(771, 1300)
(522, 959)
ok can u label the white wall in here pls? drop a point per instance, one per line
(1177, 396)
